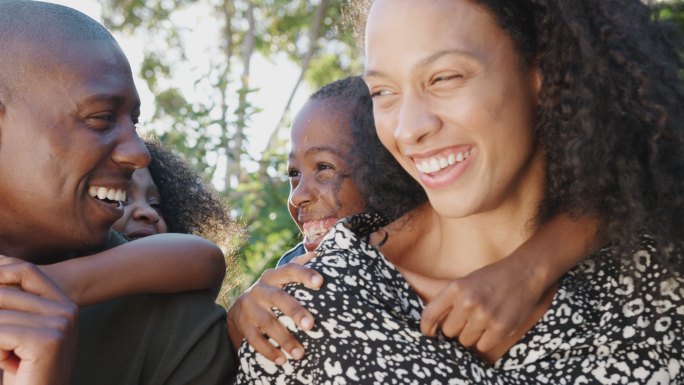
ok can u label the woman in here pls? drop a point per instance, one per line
(508, 113)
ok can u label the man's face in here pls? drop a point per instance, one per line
(68, 134)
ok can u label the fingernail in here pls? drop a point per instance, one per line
(306, 323)
(280, 361)
(297, 353)
(316, 280)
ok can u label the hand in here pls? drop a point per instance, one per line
(252, 316)
(38, 327)
(485, 307)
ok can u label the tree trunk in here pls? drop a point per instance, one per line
(315, 31)
(243, 104)
(227, 11)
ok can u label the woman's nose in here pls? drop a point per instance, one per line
(416, 120)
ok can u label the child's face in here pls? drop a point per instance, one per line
(142, 210)
(321, 191)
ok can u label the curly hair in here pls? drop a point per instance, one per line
(391, 192)
(189, 205)
(610, 117)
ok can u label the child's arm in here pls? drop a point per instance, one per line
(162, 263)
(489, 304)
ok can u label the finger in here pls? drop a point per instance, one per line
(289, 306)
(282, 336)
(454, 322)
(292, 273)
(490, 339)
(17, 300)
(471, 332)
(31, 279)
(255, 338)
(304, 258)
(435, 313)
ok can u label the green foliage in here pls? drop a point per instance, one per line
(673, 12)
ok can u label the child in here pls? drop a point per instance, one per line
(323, 167)
(160, 262)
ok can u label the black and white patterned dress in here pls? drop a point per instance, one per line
(601, 328)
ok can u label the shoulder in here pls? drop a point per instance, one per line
(171, 338)
(291, 254)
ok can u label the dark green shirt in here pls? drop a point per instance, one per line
(154, 339)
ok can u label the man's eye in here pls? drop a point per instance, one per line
(102, 121)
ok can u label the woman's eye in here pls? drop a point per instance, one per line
(380, 93)
(446, 78)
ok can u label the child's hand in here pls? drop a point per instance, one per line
(252, 316)
(486, 306)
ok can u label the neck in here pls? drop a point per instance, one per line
(457, 246)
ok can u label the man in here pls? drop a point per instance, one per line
(68, 111)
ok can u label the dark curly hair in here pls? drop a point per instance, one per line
(391, 192)
(610, 116)
(189, 205)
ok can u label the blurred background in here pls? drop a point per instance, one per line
(220, 81)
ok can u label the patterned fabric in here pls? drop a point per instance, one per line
(602, 327)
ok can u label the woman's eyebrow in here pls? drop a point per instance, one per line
(425, 62)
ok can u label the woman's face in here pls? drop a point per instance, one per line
(453, 103)
(142, 210)
(321, 191)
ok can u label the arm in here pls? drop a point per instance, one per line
(162, 263)
(489, 304)
(251, 316)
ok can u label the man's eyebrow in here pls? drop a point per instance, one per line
(115, 99)
(370, 73)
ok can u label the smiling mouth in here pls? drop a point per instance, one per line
(112, 196)
(315, 230)
(441, 161)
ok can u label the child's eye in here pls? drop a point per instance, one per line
(324, 166)
(292, 173)
(156, 206)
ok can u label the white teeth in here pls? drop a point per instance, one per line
(436, 163)
(105, 193)
(102, 193)
(315, 232)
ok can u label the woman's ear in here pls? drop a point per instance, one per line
(537, 79)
